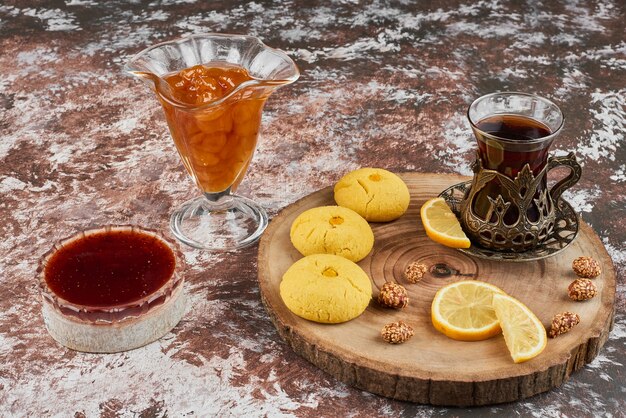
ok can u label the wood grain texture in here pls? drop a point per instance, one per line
(431, 368)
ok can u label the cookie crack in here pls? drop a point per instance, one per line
(355, 287)
(324, 242)
(368, 203)
(310, 233)
(367, 192)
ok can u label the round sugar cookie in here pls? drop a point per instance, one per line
(326, 288)
(377, 195)
(332, 230)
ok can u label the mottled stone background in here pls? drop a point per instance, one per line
(383, 84)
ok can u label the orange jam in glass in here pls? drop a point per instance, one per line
(216, 142)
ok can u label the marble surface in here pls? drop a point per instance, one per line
(383, 84)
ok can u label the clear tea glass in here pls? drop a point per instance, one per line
(509, 206)
(216, 140)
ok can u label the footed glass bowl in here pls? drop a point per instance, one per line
(216, 139)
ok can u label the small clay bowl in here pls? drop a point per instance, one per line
(111, 289)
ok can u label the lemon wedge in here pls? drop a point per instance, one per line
(441, 224)
(523, 333)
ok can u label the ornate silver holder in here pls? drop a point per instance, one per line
(563, 234)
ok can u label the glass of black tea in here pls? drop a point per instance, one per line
(509, 206)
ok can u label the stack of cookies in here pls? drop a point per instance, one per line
(327, 285)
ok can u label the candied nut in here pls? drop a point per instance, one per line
(581, 289)
(393, 295)
(415, 272)
(397, 332)
(562, 323)
(586, 267)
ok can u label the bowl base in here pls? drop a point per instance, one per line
(115, 337)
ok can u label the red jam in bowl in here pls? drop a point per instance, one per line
(110, 268)
(110, 273)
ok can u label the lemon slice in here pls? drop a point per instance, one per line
(524, 334)
(463, 310)
(441, 224)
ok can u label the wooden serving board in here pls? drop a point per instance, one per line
(431, 368)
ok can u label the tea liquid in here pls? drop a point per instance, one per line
(514, 127)
(509, 157)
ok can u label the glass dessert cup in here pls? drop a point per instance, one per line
(216, 140)
(110, 328)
